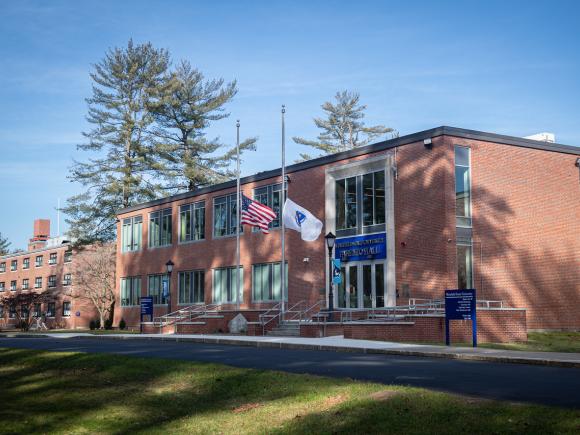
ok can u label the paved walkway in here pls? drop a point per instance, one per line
(341, 344)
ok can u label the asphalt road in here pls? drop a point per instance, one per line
(512, 382)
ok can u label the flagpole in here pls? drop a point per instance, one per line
(283, 236)
(238, 208)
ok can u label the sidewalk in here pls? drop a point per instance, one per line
(340, 344)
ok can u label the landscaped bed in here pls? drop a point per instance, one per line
(53, 392)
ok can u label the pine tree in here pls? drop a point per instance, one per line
(121, 170)
(184, 108)
(343, 129)
(4, 245)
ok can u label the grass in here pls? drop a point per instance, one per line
(540, 342)
(53, 392)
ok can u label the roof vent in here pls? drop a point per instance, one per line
(543, 137)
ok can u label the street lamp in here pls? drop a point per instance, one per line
(330, 239)
(169, 268)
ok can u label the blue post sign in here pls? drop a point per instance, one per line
(146, 308)
(336, 275)
(460, 305)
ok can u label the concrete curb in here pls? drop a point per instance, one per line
(327, 347)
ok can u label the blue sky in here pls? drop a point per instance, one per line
(506, 67)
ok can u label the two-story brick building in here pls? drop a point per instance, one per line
(46, 266)
(442, 209)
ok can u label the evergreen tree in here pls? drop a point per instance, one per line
(184, 108)
(122, 168)
(343, 129)
(4, 245)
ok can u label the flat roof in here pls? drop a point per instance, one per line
(379, 146)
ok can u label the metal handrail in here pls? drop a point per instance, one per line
(168, 319)
(304, 314)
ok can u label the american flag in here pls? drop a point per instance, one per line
(256, 214)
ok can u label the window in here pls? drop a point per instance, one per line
(13, 265)
(68, 256)
(1, 311)
(2, 286)
(373, 191)
(26, 263)
(271, 196)
(464, 265)
(224, 216)
(52, 258)
(52, 281)
(37, 310)
(192, 222)
(38, 261)
(66, 309)
(67, 279)
(160, 228)
(130, 291)
(462, 186)
(191, 287)
(25, 284)
(13, 285)
(224, 282)
(155, 289)
(131, 234)
(24, 312)
(38, 282)
(12, 312)
(3, 267)
(50, 309)
(346, 207)
(267, 282)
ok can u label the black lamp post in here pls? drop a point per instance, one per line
(330, 239)
(169, 269)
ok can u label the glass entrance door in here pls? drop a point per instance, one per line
(363, 285)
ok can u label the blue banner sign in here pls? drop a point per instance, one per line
(461, 305)
(336, 275)
(146, 306)
(165, 287)
(358, 248)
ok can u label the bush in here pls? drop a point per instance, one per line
(122, 324)
(92, 325)
(98, 324)
(108, 324)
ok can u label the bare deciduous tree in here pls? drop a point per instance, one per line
(94, 278)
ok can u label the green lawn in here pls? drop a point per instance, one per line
(537, 342)
(544, 342)
(51, 392)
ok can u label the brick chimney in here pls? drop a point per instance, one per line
(41, 234)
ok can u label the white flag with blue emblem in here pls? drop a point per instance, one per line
(299, 219)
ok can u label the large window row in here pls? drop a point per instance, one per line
(49, 310)
(360, 201)
(192, 218)
(191, 286)
(52, 283)
(38, 261)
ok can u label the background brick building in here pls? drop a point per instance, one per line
(47, 266)
(457, 208)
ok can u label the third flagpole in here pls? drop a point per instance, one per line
(282, 203)
(238, 212)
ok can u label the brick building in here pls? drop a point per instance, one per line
(440, 209)
(46, 266)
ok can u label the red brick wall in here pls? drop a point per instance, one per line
(526, 217)
(526, 223)
(493, 326)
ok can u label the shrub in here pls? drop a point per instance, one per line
(98, 324)
(122, 324)
(108, 324)
(92, 325)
